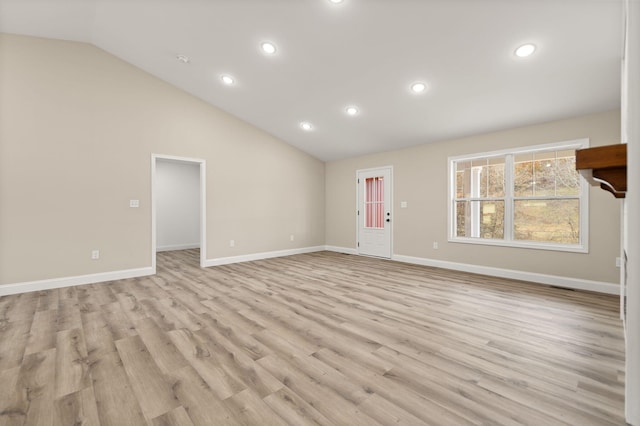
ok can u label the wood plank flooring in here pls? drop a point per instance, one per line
(317, 339)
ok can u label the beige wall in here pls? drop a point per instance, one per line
(420, 178)
(78, 127)
(77, 130)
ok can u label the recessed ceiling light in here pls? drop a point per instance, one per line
(227, 79)
(306, 126)
(268, 47)
(184, 59)
(418, 87)
(336, 1)
(525, 50)
(352, 110)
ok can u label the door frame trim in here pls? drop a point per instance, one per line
(203, 204)
(371, 169)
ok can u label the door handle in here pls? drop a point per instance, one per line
(388, 220)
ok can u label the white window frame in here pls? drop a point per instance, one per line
(508, 241)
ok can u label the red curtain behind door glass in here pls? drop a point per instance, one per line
(374, 202)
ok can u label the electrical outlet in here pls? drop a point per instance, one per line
(435, 245)
(134, 203)
(232, 243)
(291, 237)
(618, 262)
(95, 254)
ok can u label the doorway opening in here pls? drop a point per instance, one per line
(178, 205)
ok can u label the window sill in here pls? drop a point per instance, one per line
(570, 248)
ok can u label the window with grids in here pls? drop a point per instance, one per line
(528, 197)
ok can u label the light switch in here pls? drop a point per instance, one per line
(134, 203)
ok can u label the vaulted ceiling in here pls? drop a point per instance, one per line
(362, 53)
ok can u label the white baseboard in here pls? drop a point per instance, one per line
(259, 256)
(344, 250)
(555, 280)
(178, 247)
(49, 284)
(568, 282)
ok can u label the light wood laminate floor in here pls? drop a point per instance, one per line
(321, 338)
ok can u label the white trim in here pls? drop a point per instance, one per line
(534, 277)
(631, 135)
(259, 256)
(153, 213)
(344, 250)
(555, 280)
(534, 245)
(575, 283)
(203, 206)
(178, 247)
(54, 283)
(203, 213)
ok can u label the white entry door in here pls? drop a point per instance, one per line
(374, 212)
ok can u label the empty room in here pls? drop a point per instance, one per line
(334, 212)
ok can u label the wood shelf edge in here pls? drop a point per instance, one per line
(608, 165)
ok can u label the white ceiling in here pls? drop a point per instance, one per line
(362, 52)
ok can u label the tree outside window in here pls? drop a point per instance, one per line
(528, 197)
